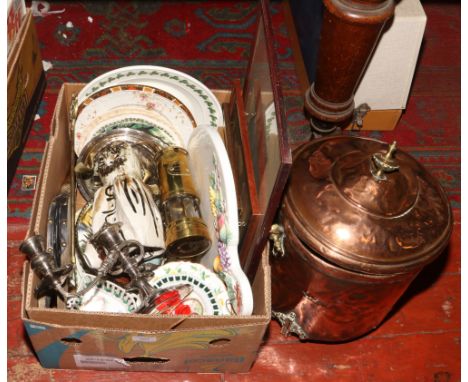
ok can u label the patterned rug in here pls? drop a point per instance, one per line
(212, 41)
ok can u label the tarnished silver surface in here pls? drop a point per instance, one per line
(110, 239)
(57, 226)
(53, 278)
(83, 234)
(146, 147)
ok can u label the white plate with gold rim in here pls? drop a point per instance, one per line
(136, 97)
(214, 182)
(149, 121)
(202, 103)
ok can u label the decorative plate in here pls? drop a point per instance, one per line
(208, 296)
(137, 97)
(106, 297)
(202, 103)
(214, 182)
(148, 121)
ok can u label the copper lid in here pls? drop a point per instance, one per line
(366, 206)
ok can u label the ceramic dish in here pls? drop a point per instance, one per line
(202, 103)
(140, 119)
(208, 296)
(218, 205)
(137, 97)
(107, 297)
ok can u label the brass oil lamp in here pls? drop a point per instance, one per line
(186, 233)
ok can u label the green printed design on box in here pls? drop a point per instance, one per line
(176, 340)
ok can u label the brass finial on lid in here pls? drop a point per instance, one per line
(384, 163)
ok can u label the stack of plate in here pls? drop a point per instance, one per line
(165, 102)
(164, 107)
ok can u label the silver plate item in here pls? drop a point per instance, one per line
(57, 226)
(146, 146)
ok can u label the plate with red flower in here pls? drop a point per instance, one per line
(192, 290)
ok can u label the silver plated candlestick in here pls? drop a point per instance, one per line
(117, 249)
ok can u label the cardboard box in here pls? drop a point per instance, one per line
(386, 83)
(387, 79)
(379, 120)
(25, 86)
(85, 340)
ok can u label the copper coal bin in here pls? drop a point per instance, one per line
(361, 220)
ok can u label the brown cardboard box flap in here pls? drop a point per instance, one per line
(379, 120)
(24, 69)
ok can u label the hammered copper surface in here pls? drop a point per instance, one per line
(361, 220)
(376, 226)
(331, 303)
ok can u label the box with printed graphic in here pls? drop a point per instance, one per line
(74, 339)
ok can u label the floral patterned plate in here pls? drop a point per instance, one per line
(214, 182)
(149, 121)
(109, 297)
(136, 97)
(208, 293)
(201, 102)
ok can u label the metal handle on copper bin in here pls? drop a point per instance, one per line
(289, 324)
(277, 236)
